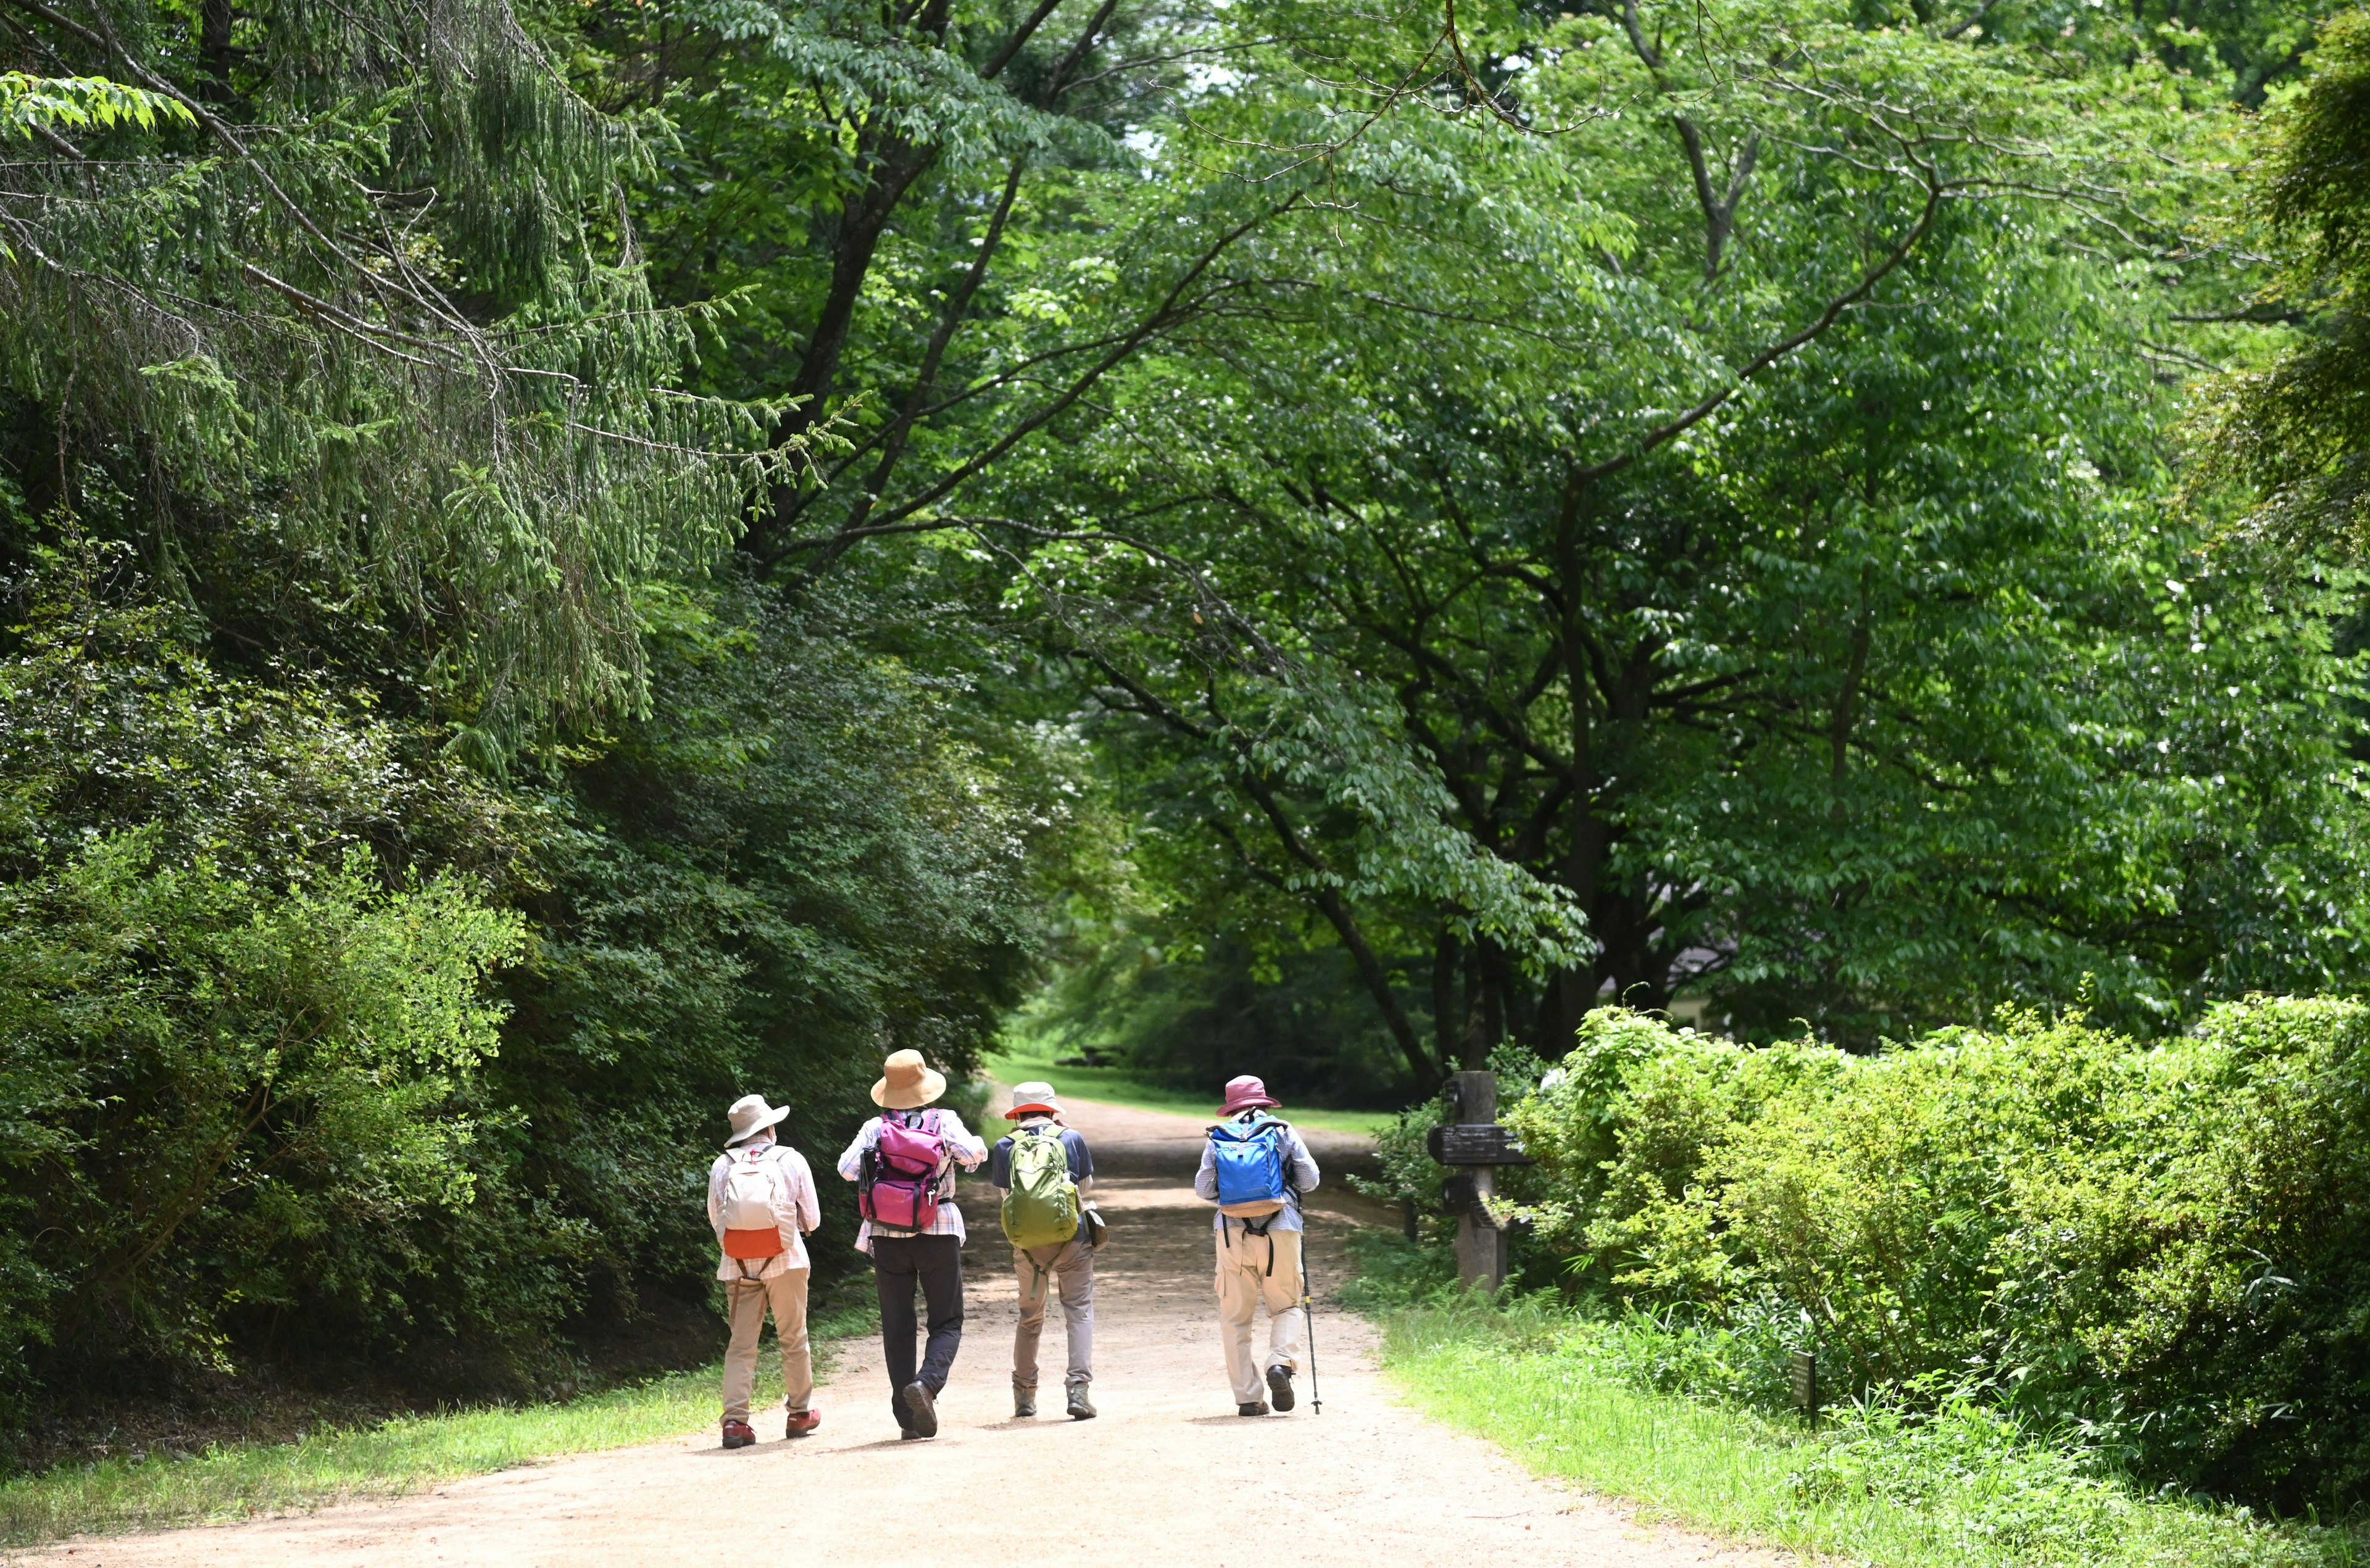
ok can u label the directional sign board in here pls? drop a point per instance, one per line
(1806, 1385)
(1474, 1143)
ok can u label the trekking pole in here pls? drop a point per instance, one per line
(1308, 1306)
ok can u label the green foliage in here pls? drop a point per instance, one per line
(373, 302)
(2160, 1244)
(1907, 1486)
(74, 102)
(237, 1053)
(1887, 691)
(2294, 431)
(225, 1101)
(794, 867)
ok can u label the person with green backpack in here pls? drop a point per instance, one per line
(1045, 1171)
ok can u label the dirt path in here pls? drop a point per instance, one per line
(1168, 1473)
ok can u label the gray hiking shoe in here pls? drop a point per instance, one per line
(1278, 1387)
(921, 1412)
(1258, 1407)
(1024, 1400)
(1081, 1407)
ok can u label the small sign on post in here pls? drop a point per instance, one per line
(1464, 1144)
(1806, 1386)
(1474, 1146)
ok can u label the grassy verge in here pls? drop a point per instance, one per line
(236, 1481)
(1025, 1060)
(1959, 1488)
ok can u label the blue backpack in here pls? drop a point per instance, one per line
(1250, 1162)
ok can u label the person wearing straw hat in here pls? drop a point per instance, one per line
(1266, 1169)
(1064, 1267)
(903, 1161)
(761, 1203)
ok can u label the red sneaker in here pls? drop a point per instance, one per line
(738, 1435)
(804, 1421)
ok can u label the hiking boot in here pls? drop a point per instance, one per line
(1024, 1400)
(1256, 1408)
(1081, 1407)
(804, 1421)
(922, 1411)
(739, 1435)
(1278, 1387)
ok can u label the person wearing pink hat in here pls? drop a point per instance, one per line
(1255, 1167)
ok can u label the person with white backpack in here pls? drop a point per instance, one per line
(902, 1162)
(761, 1204)
(1045, 1171)
(1255, 1168)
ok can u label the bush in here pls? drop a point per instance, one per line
(2165, 1248)
(223, 1101)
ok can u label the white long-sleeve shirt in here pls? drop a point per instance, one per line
(796, 1210)
(963, 1148)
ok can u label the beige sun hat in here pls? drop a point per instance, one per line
(907, 1082)
(751, 1116)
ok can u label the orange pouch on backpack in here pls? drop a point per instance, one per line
(763, 1244)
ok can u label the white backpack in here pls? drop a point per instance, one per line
(756, 1189)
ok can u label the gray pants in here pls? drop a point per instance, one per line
(1067, 1270)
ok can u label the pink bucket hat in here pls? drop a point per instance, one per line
(1247, 1093)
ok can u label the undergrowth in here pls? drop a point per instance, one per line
(242, 1479)
(1686, 1421)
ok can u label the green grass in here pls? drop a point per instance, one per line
(1023, 1059)
(239, 1481)
(1882, 1500)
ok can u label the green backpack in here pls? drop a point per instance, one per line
(1041, 1207)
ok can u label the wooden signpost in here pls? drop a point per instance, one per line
(1474, 1146)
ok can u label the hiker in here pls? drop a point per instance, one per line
(1255, 1167)
(1044, 1172)
(903, 1165)
(762, 1202)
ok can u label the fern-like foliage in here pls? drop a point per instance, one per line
(358, 275)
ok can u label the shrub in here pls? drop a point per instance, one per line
(224, 1100)
(2163, 1247)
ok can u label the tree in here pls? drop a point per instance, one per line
(2294, 429)
(357, 297)
(1764, 554)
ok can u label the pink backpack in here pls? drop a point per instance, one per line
(899, 1188)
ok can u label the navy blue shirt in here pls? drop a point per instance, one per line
(999, 1159)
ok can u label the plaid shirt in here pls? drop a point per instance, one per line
(962, 1148)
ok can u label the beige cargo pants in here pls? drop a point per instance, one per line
(746, 1300)
(1065, 1271)
(1245, 1283)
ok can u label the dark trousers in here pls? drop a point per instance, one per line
(935, 1262)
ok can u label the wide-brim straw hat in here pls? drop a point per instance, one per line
(907, 1082)
(751, 1116)
(1247, 1094)
(1032, 1099)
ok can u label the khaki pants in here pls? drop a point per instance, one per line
(1245, 1282)
(1065, 1269)
(746, 1300)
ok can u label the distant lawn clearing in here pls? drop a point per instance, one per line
(1025, 1060)
(408, 1454)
